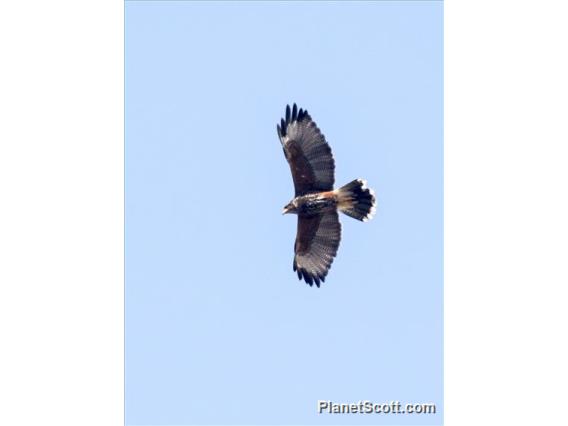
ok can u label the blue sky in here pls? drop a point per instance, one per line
(218, 328)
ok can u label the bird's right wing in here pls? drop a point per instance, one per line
(317, 241)
(307, 152)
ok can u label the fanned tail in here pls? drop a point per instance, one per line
(356, 200)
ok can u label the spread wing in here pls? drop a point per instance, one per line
(307, 152)
(316, 245)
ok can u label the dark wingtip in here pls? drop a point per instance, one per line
(279, 130)
(309, 278)
(294, 112)
(287, 113)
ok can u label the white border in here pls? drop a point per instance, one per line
(506, 212)
(61, 214)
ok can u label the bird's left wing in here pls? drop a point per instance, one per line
(317, 241)
(307, 152)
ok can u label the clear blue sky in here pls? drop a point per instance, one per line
(218, 328)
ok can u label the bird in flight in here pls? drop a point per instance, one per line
(315, 201)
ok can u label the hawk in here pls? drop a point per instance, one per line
(315, 201)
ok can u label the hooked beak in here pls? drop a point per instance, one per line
(286, 210)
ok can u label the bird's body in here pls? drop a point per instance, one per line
(316, 202)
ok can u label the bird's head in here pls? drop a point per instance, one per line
(291, 207)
